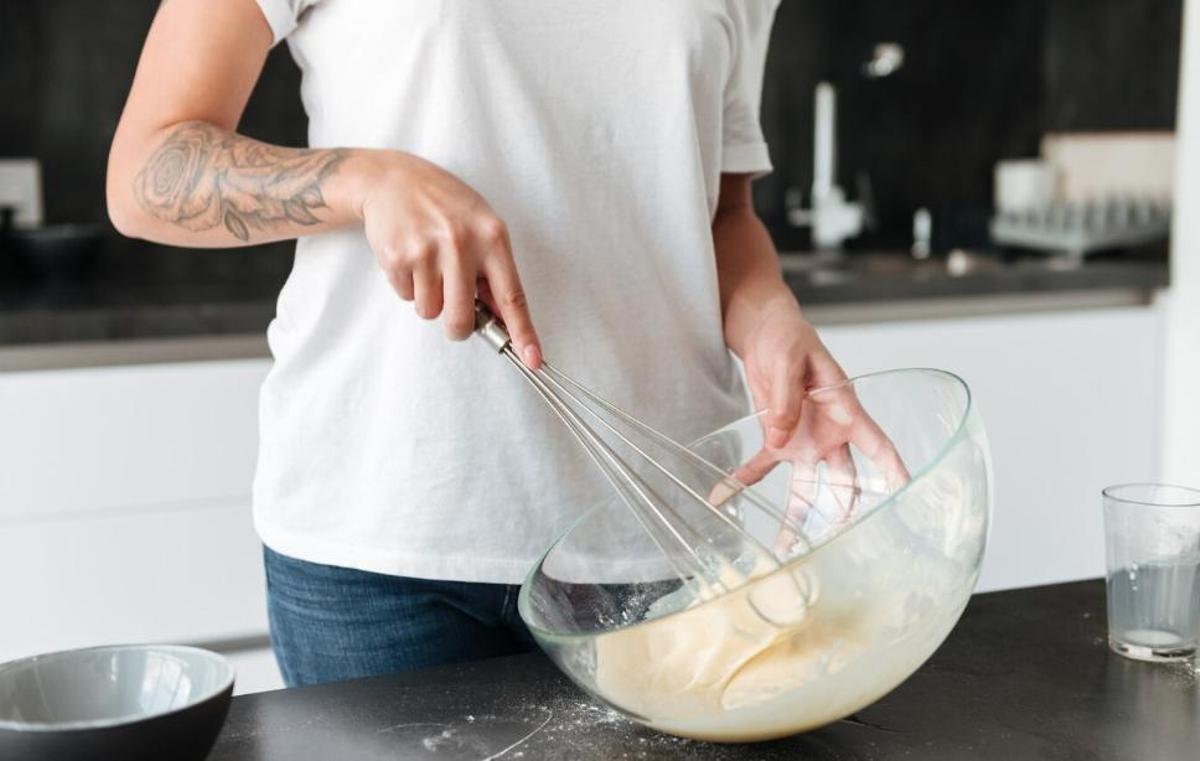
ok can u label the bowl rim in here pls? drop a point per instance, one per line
(1112, 493)
(128, 719)
(949, 444)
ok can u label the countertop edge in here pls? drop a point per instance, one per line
(133, 351)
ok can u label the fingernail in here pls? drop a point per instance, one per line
(532, 356)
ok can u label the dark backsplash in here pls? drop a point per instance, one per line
(982, 80)
(65, 69)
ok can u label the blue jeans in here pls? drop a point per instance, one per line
(330, 623)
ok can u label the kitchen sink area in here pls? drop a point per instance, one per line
(881, 275)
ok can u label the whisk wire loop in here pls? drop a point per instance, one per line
(629, 487)
(596, 424)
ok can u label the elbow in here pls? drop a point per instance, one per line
(122, 208)
(122, 217)
(132, 147)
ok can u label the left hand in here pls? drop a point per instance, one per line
(785, 360)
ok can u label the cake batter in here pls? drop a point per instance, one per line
(790, 650)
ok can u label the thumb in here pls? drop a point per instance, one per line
(786, 397)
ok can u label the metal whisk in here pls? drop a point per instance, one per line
(691, 509)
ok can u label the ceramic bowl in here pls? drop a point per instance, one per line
(114, 703)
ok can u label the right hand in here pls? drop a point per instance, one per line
(441, 246)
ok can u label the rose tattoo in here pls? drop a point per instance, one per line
(202, 177)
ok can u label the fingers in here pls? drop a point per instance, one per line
(509, 297)
(842, 479)
(757, 467)
(848, 423)
(458, 317)
(786, 401)
(875, 445)
(751, 472)
(444, 273)
(437, 240)
(402, 284)
(427, 290)
(802, 494)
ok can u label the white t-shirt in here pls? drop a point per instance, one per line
(598, 130)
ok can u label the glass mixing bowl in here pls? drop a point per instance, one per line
(858, 586)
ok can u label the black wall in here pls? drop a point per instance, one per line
(65, 69)
(982, 80)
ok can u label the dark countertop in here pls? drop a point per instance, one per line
(867, 277)
(1026, 674)
(139, 290)
(113, 311)
(149, 292)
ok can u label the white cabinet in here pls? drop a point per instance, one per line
(124, 491)
(1071, 401)
(125, 505)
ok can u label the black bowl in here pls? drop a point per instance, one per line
(114, 703)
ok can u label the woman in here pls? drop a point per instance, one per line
(588, 163)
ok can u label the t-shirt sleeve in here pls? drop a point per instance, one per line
(743, 148)
(283, 15)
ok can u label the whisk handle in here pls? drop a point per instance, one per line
(489, 328)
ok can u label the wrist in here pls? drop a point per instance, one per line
(745, 318)
(363, 171)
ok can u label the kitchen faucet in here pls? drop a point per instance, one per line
(832, 218)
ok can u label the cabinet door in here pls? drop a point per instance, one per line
(1071, 401)
(125, 505)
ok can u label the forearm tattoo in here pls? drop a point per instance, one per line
(203, 177)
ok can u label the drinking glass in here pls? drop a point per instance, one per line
(1152, 537)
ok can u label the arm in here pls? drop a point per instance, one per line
(764, 326)
(208, 186)
(784, 359)
(179, 173)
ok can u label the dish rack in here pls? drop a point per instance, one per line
(1082, 228)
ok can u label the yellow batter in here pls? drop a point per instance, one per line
(727, 652)
(772, 657)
